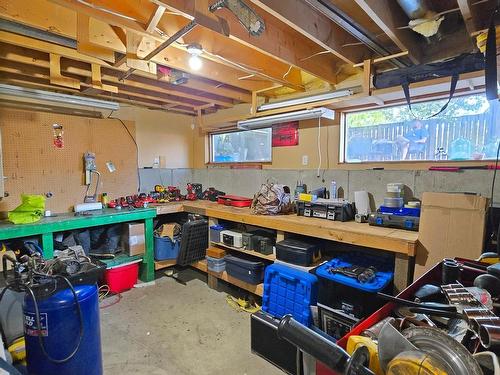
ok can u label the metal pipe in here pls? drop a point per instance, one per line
(489, 335)
(414, 8)
(476, 323)
(352, 27)
(179, 34)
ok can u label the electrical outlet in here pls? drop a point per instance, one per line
(305, 159)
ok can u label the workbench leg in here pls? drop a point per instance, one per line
(148, 265)
(403, 272)
(212, 282)
(48, 245)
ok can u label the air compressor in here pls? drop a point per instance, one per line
(60, 312)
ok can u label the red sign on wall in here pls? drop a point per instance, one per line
(286, 134)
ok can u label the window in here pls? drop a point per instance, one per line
(469, 129)
(241, 146)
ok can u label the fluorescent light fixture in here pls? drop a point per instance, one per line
(53, 97)
(305, 114)
(305, 100)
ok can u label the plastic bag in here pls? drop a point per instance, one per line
(29, 211)
(272, 199)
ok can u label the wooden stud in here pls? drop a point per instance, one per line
(56, 77)
(134, 40)
(367, 77)
(465, 10)
(155, 18)
(97, 80)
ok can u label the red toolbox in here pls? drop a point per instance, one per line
(234, 200)
(467, 278)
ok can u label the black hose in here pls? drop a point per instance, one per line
(39, 326)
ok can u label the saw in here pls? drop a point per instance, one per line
(246, 15)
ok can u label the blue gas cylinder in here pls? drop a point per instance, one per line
(60, 325)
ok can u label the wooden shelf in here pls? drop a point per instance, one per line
(160, 264)
(271, 257)
(255, 289)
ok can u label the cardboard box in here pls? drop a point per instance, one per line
(133, 239)
(451, 225)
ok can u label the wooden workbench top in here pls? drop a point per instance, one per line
(395, 240)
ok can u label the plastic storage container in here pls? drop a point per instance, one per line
(215, 264)
(122, 278)
(245, 269)
(347, 294)
(289, 291)
(165, 248)
(298, 252)
(215, 233)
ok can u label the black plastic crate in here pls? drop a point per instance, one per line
(194, 242)
(299, 252)
(245, 269)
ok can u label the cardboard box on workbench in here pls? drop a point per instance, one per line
(451, 225)
(133, 239)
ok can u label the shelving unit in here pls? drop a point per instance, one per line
(161, 264)
(202, 266)
(271, 257)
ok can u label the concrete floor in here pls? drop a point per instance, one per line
(172, 329)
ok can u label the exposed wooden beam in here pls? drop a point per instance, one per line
(97, 80)
(108, 83)
(37, 58)
(298, 15)
(467, 15)
(155, 18)
(389, 16)
(174, 58)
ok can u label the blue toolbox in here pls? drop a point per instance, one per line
(289, 291)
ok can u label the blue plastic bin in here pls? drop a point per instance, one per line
(215, 264)
(165, 248)
(289, 291)
(345, 293)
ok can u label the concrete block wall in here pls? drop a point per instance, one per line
(246, 182)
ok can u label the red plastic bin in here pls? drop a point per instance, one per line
(122, 278)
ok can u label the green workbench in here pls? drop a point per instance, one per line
(47, 226)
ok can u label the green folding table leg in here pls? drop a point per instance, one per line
(148, 265)
(48, 245)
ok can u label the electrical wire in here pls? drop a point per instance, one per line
(492, 220)
(136, 147)
(319, 146)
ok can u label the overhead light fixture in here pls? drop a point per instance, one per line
(79, 105)
(56, 97)
(266, 121)
(305, 100)
(195, 50)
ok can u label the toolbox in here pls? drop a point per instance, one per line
(234, 200)
(289, 291)
(245, 269)
(348, 295)
(326, 209)
(298, 252)
(394, 221)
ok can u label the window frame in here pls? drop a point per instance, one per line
(229, 163)
(418, 164)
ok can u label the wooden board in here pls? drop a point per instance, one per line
(255, 289)
(249, 252)
(32, 165)
(395, 240)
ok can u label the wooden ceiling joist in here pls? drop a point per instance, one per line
(37, 58)
(389, 16)
(329, 36)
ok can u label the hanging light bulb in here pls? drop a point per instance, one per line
(195, 50)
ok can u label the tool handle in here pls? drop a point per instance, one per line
(430, 305)
(434, 312)
(321, 348)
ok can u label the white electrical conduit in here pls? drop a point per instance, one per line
(319, 146)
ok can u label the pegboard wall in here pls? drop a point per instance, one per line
(33, 165)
